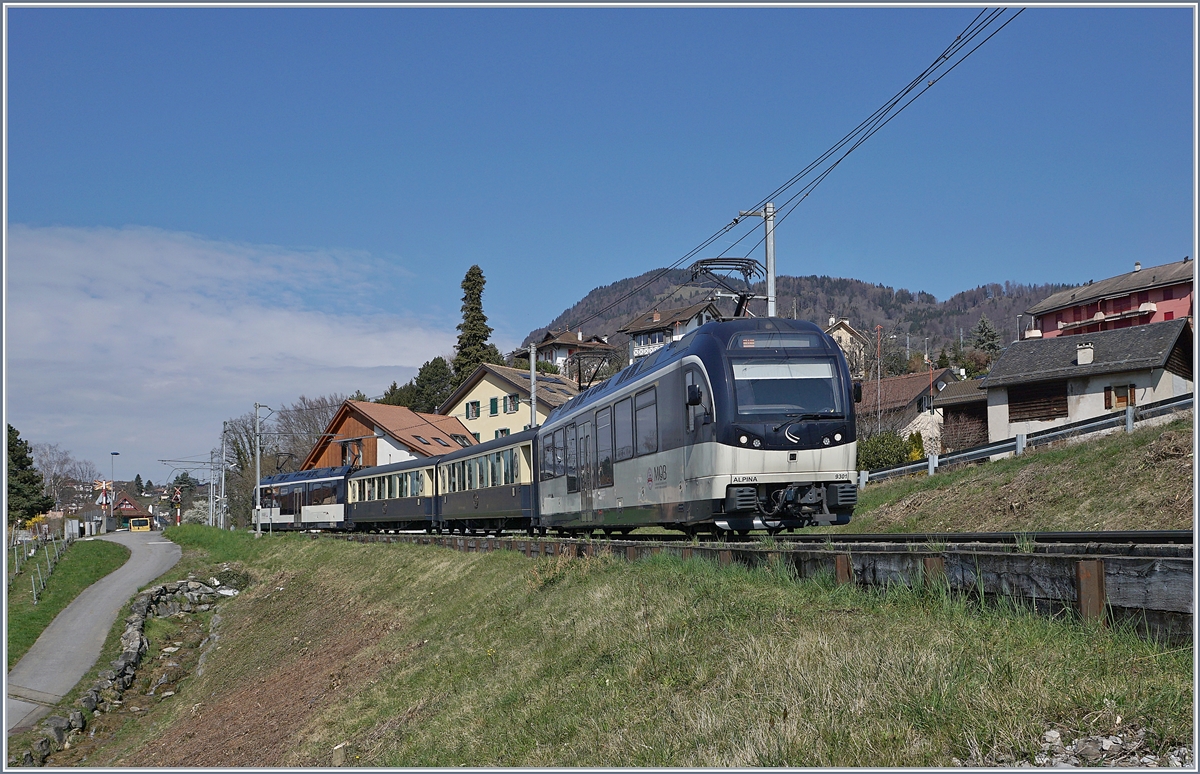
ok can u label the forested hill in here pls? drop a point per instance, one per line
(817, 298)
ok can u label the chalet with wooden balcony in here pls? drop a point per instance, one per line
(649, 331)
(558, 348)
(1141, 297)
(366, 434)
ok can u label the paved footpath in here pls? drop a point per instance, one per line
(70, 645)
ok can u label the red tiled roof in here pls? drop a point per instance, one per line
(401, 423)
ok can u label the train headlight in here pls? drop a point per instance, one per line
(757, 443)
(743, 439)
(837, 436)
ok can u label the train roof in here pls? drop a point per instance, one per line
(470, 451)
(491, 446)
(722, 332)
(397, 467)
(313, 474)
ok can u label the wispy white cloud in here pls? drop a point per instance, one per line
(141, 340)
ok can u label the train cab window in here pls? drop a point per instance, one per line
(560, 459)
(604, 448)
(645, 414)
(572, 461)
(623, 429)
(547, 461)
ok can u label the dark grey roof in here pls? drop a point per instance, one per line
(959, 393)
(1125, 349)
(667, 318)
(1122, 285)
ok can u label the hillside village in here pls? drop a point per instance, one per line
(1082, 352)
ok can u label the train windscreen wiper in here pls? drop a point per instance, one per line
(810, 415)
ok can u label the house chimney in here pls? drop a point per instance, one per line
(832, 321)
(657, 317)
(1083, 353)
(1137, 266)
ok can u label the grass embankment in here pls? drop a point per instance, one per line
(421, 656)
(84, 563)
(1142, 480)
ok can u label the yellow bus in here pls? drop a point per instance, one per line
(139, 524)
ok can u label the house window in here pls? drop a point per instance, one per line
(1038, 402)
(493, 407)
(1168, 316)
(442, 443)
(422, 440)
(502, 432)
(461, 440)
(476, 436)
(472, 409)
(512, 402)
(1120, 396)
(1143, 297)
(1168, 294)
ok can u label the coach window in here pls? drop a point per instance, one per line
(547, 466)
(646, 421)
(604, 447)
(572, 461)
(560, 460)
(322, 493)
(623, 428)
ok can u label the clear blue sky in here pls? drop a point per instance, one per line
(207, 172)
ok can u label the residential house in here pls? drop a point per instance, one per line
(904, 404)
(366, 434)
(494, 400)
(1141, 297)
(964, 414)
(126, 507)
(1039, 384)
(649, 331)
(855, 344)
(558, 348)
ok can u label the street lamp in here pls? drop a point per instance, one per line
(112, 468)
(258, 469)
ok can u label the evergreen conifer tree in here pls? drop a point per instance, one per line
(985, 337)
(25, 496)
(943, 360)
(138, 486)
(433, 385)
(473, 331)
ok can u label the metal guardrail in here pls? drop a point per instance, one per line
(1017, 445)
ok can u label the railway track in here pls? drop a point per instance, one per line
(1145, 577)
(1164, 543)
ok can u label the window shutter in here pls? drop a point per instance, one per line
(1132, 393)
(1108, 397)
(494, 406)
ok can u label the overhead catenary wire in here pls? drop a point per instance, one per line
(945, 63)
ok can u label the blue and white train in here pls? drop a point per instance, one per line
(742, 424)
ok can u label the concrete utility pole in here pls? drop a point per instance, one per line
(112, 496)
(533, 386)
(221, 518)
(257, 473)
(768, 216)
(211, 475)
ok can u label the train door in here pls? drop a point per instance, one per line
(698, 426)
(298, 504)
(587, 478)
